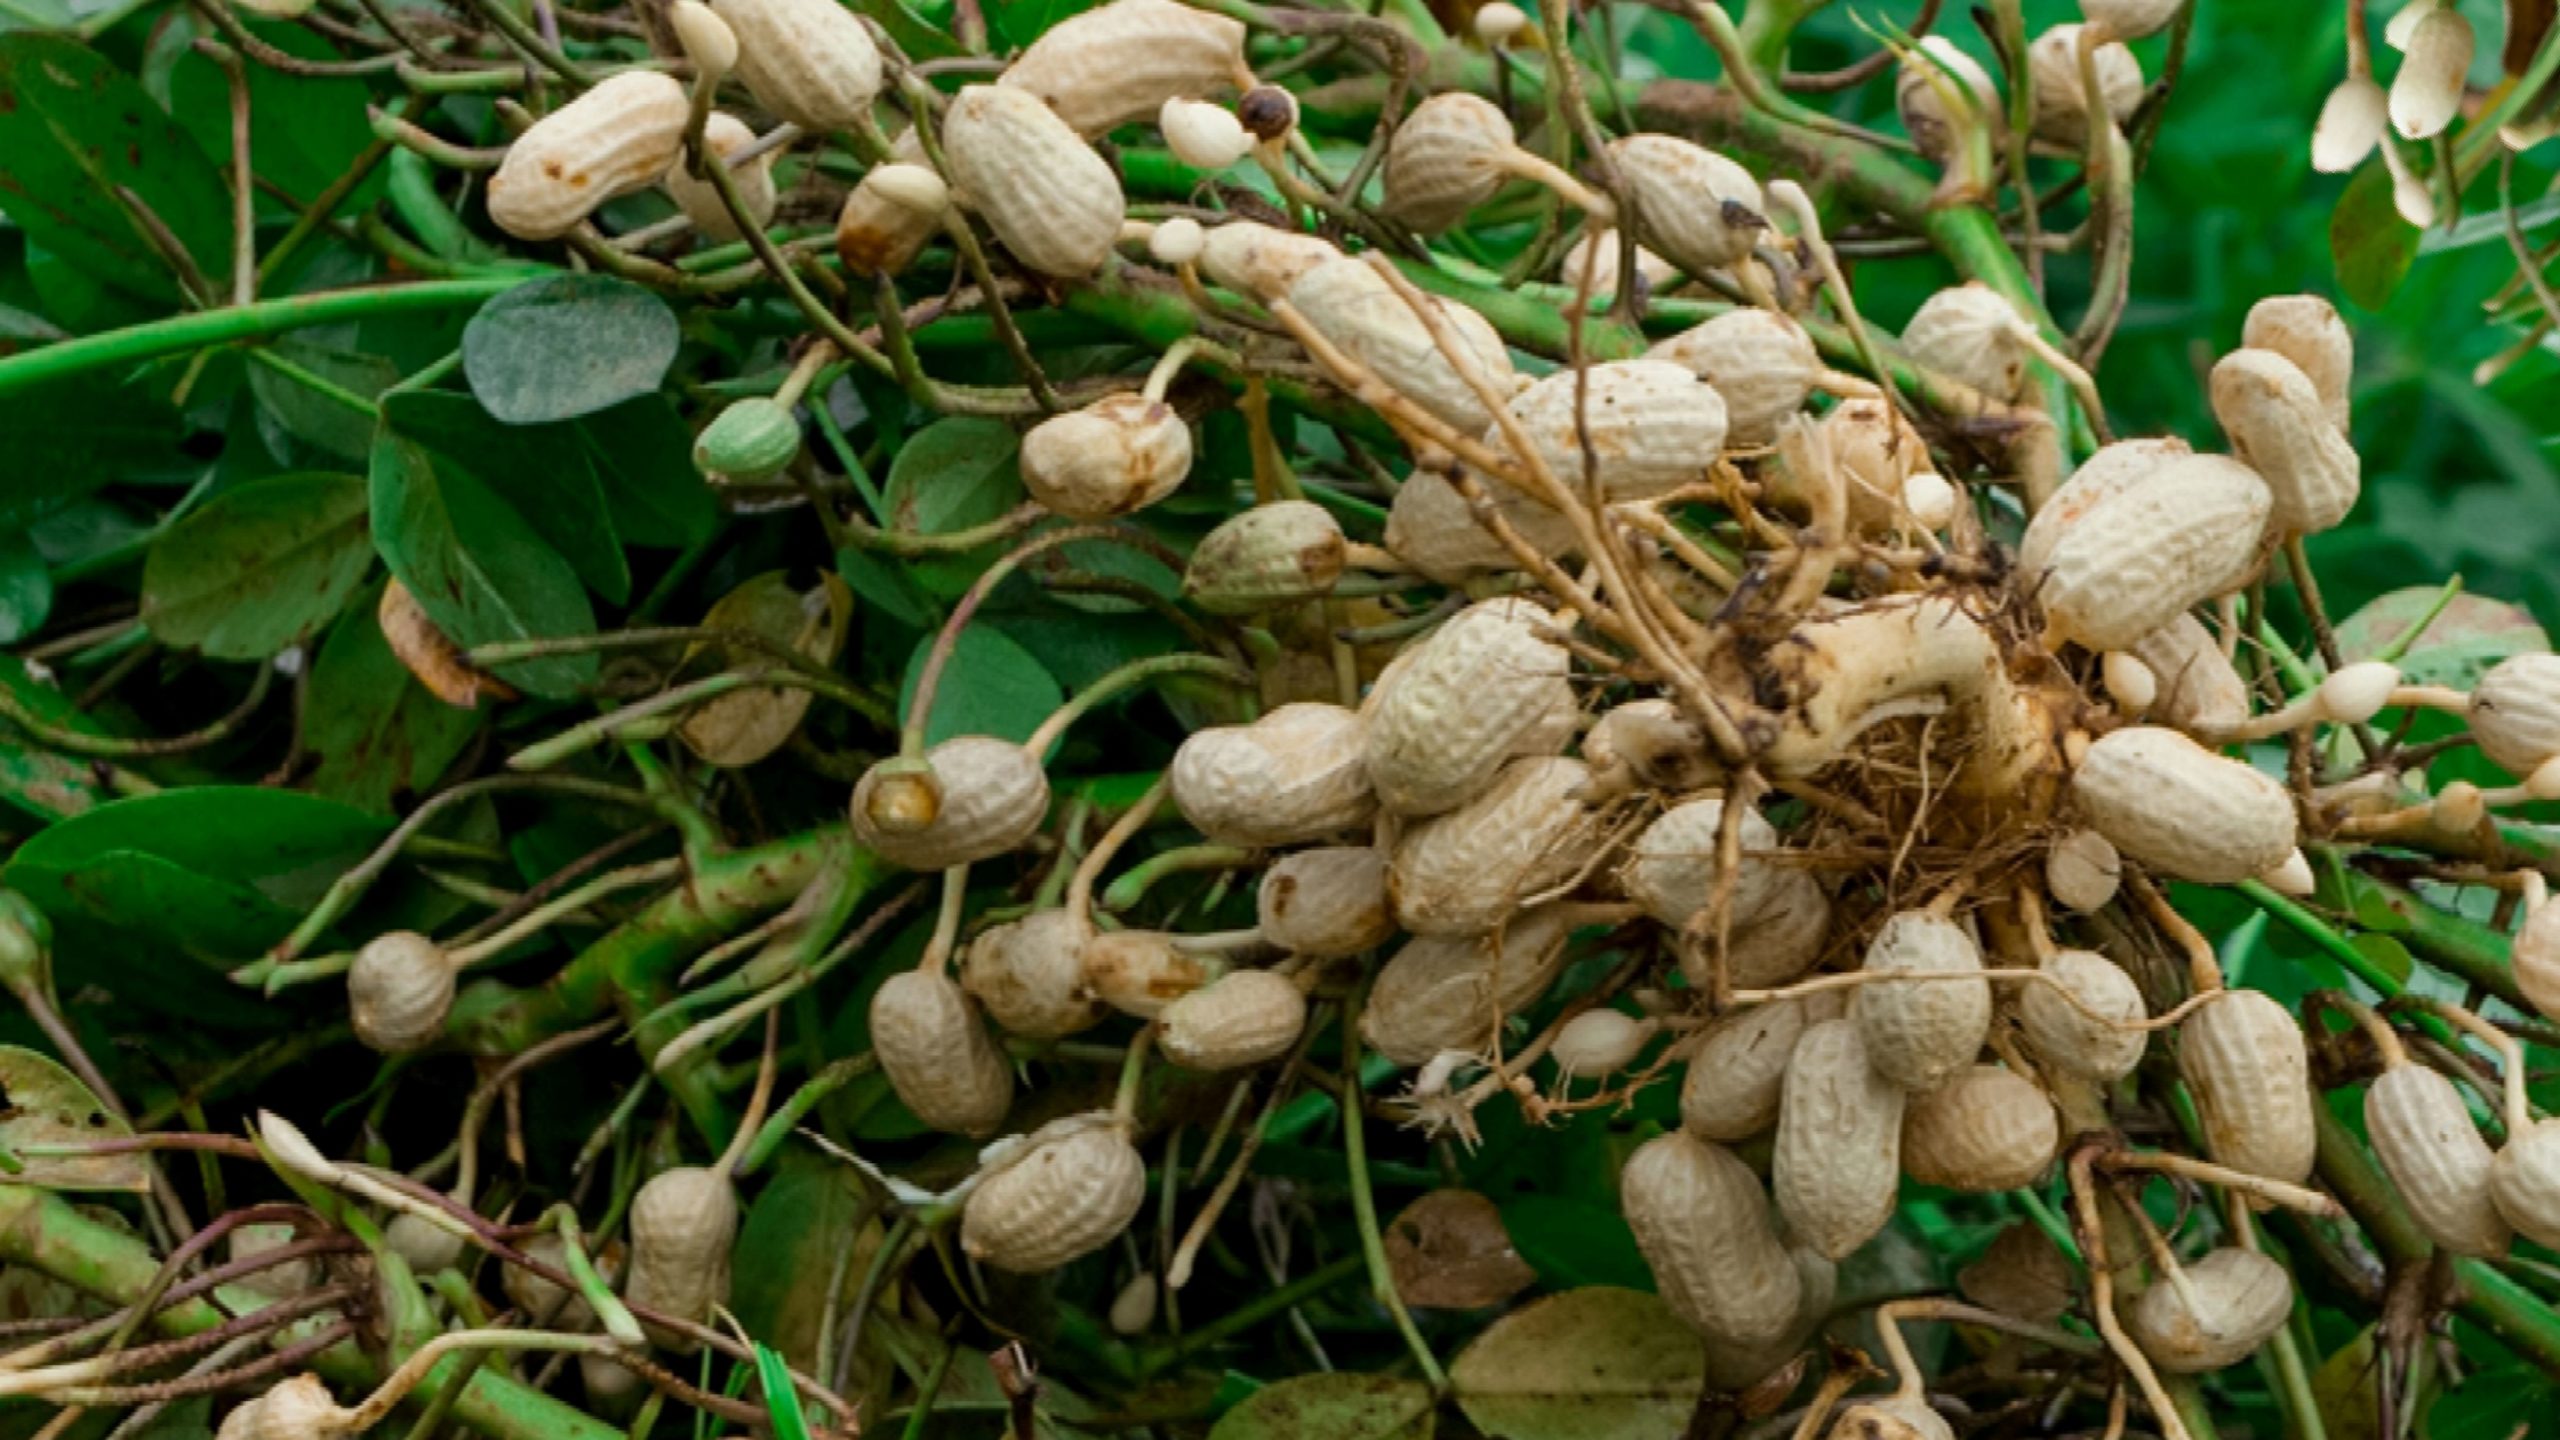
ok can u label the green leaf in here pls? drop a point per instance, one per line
(474, 565)
(259, 567)
(806, 1219)
(951, 475)
(781, 1396)
(991, 686)
(35, 15)
(1591, 1364)
(380, 737)
(70, 437)
(26, 588)
(567, 345)
(656, 497)
(315, 419)
(539, 471)
(37, 780)
(305, 131)
(43, 1104)
(919, 37)
(2372, 246)
(1575, 1242)
(73, 130)
(1339, 1406)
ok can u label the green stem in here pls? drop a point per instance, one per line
(1364, 1209)
(2466, 949)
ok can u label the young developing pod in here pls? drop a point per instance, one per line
(811, 62)
(1672, 869)
(1133, 1310)
(1970, 332)
(1481, 689)
(1049, 199)
(1432, 528)
(2423, 1135)
(1071, 1188)
(1463, 871)
(1599, 1042)
(938, 1055)
(1590, 264)
(1354, 307)
(1837, 1164)
(1650, 426)
(426, 1246)
(1934, 64)
(1984, 1131)
(2132, 562)
(1119, 63)
(2243, 1058)
(975, 797)
(2075, 1043)
(2524, 1182)
(2279, 425)
(750, 441)
(1694, 207)
(725, 134)
(1446, 159)
(1029, 973)
(1271, 555)
(1237, 1020)
(547, 1306)
(1121, 453)
(889, 217)
(1329, 903)
(1760, 361)
(2350, 125)
(299, 1408)
(2199, 689)
(1449, 992)
(2172, 804)
(2306, 330)
(2062, 105)
(1258, 260)
(1202, 135)
(1140, 972)
(276, 1282)
(623, 134)
(684, 1223)
(1702, 1223)
(705, 39)
(398, 992)
(2082, 871)
(2240, 1298)
(2535, 957)
(1292, 776)
(1730, 1089)
(2109, 473)
(1919, 1034)
(1896, 1417)
(2130, 19)
(2427, 93)
(2515, 713)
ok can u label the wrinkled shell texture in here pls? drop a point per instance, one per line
(398, 992)
(938, 1055)
(684, 1223)
(1671, 869)
(1292, 776)
(1447, 992)
(1702, 1223)
(812, 62)
(1354, 307)
(1761, 362)
(620, 136)
(1730, 1090)
(1924, 112)
(2423, 1135)
(1780, 946)
(2245, 1065)
(2536, 958)
(1327, 903)
(1119, 454)
(994, 795)
(1061, 1200)
(2171, 804)
(2083, 870)
(1837, 1165)
(2023, 1274)
(1892, 1419)
(1919, 1034)
(2103, 476)
(1257, 259)
(2070, 1041)
(1140, 972)
(1441, 163)
(1237, 1020)
(1120, 62)
(2515, 712)
(1461, 873)
(1030, 976)
(877, 233)
(1965, 330)
(2241, 1299)
(2525, 1182)
(1681, 191)
(1986, 1130)
(2062, 105)
(2307, 330)
(299, 1408)
(2280, 426)
(2198, 688)
(1455, 707)
(700, 199)
(1431, 528)
(1053, 202)
(1652, 426)
(2185, 533)
(1273, 554)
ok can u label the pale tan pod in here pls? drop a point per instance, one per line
(684, 1223)
(1326, 903)
(1353, 306)
(2082, 871)
(2021, 1273)
(2131, 19)
(1892, 1418)
(399, 989)
(1970, 332)
(426, 1246)
(622, 135)
(1203, 136)
(2423, 1135)
(1052, 202)
(2426, 94)
(1460, 703)
(1924, 111)
(2183, 534)
(1761, 362)
(1292, 776)
(2102, 477)
(888, 217)
(1591, 262)
(2182, 809)
(1117, 64)
(1837, 1164)
(2071, 1042)
(994, 796)
(2515, 713)
(1445, 160)
(2279, 425)
(1140, 972)
(1029, 973)
(1671, 867)
(1431, 527)
(299, 1408)
(1985, 1130)
(1681, 191)
(811, 62)
(2350, 125)
(1730, 1088)
(1863, 447)
(2062, 106)
(2241, 1298)
(1236, 1020)
(1121, 453)
(2200, 690)
(938, 1055)
(1920, 1034)
(2525, 1182)
(2243, 1058)
(1449, 992)
(1072, 1188)
(1268, 556)
(1598, 1042)
(1652, 427)
(2535, 955)
(2306, 330)
(1463, 871)
(724, 134)
(1780, 946)
(1702, 1223)
(276, 1282)
(1259, 260)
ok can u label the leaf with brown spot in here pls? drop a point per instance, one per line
(1449, 1251)
(430, 655)
(48, 1106)
(1331, 1407)
(744, 726)
(1597, 1363)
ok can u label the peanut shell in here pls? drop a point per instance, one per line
(622, 135)
(2072, 1042)
(1051, 201)
(811, 62)
(994, 794)
(684, 1223)
(1029, 973)
(1702, 1223)
(2170, 803)
(1837, 1164)
(1449, 992)
(1118, 63)
(1292, 776)
(1652, 427)
(1463, 872)
(2187, 532)
(1070, 1191)
(2281, 427)
(1761, 362)
(1443, 720)
(938, 1055)
(1921, 1033)
(1326, 904)
(2423, 1135)
(2241, 1298)
(1985, 1130)
(1237, 1020)
(1119, 454)
(2244, 1062)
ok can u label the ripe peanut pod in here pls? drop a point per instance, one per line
(2280, 426)
(2535, 956)
(1936, 62)
(2306, 330)
(1971, 333)
(1760, 361)
(1070, 1189)
(1029, 973)
(724, 134)
(2423, 1135)
(1919, 1034)
(2130, 564)
(1432, 528)
(426, 1246)
(1730, 1089)
(1895, 1417)
(2071, 1042)
(2130, 19)
(1239, 1019)
(989, 796)
(2426, 94)
(1326, 904)
(1449, 992)
(1140, 972)
(2082, 871)
(2243, 1058)
(1052, 202)
(1781, 945)
(2515, 713)
(398, 992)
(2524, 1181)
(1738, 1366)
(889, 217)
(1445, 160)
(1119, 63)
(1861, 447)
(1462, 872)
(684, 1223)
(2182, 809)
(1702, 1223)
(938, 1055)
(2200, 690)
(1353, 306)
(2062, 105)
(622, 135)
(1837, 1164)
(2021, 1273)
(1652, 427)
(2102, 477)
(1121, 453)
(1591, 263)
(1672, 871)
(2241, 1298)
(1985, 1130)
(812, 62)
(1456, 706)
(1271, 555)
(1696, 208)
(1261, 261)
(1292, 776)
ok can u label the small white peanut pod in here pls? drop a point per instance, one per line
(2103, 476)
(1970, 331)
(1445, 160)
(2200, 690)
(723, 134)
(2062, 104)
(1119, 63)
(2515, 713)
(1682, 192)
(2082, 871)
(1451, 992)
(1432, 528)
(1120, 454)
(2279, 424)
(1354, 307)
(889, 217)
(2184, 533)
(2306, 330)
(992, 795)
(2174, 805)
(1924, 111)
(1140, 972)
(399, 990)
(1651, 425)
(2524, 1181)
(1672, 868)
(1730, 1088)
(1328, 903)
(1259, 260)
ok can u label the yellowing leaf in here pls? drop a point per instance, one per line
(1597, 1363)
(47, 1107)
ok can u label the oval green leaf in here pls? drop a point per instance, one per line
(1592, 1364)
(952, 475)
(43, 1105)
(567, 345)
(378, 735)
(991, 686)
(258, 568)
(1331, 1407)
